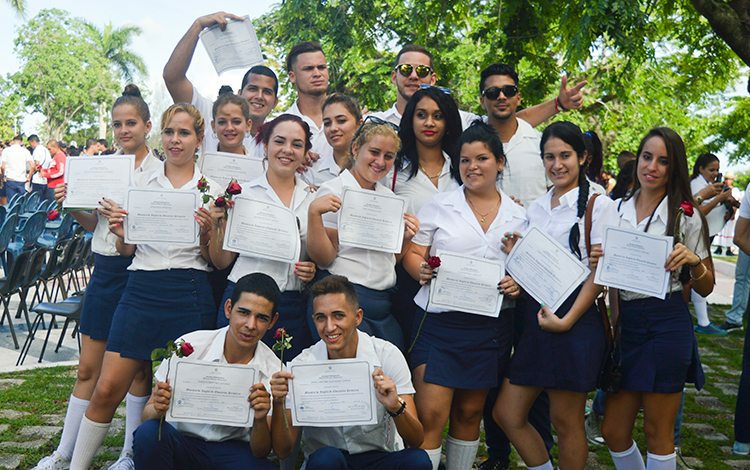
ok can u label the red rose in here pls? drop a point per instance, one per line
(202, 184)
(220, 201)
(234, 188)
(186, 349)
(280, 333)
(53, 214)
(433, 262)
(687, 208)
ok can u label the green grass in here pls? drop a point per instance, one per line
(44, 393)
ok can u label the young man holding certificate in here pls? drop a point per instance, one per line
(337, 315)
(251, 312)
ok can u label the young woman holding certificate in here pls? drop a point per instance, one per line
(456, 356)
(429, 132)
(286, 140)
(374, 146)
(167, 292)
(131, 122)
(559, 352)
(657, 350)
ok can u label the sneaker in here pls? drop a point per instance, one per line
(494, 464)
(592, 425)
(680, 460)
(125, 462)
(727, 326)
(741, 448)
(710, 329)
(56, 461)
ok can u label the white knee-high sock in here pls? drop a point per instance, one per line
(434, 455)
(629, 459)
(76, 410)
(700, 304)
(460, 455)
(90, 438)
(545, 466)
(661, 462)
(133, 418)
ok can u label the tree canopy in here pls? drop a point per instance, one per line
(648, 62)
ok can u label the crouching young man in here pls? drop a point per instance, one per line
(337, 315)
(251, 312)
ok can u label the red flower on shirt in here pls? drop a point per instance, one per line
(687, 208)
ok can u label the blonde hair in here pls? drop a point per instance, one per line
(199, 125)
(369, 129)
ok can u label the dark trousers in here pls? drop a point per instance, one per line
(330, 458)
(176, 450)
(14, 187)
(742, 410)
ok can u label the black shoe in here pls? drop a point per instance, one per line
(493, 464)
(717, 251)
(729, 252)
(726, 326)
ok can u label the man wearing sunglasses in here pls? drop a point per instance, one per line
(414, 67)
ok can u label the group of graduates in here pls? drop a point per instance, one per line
(472, 185)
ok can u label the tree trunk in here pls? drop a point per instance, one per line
(102, 121)
(731, 21)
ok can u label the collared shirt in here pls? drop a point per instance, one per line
(744, 210)
(448, 223)
(558, 221)
(43, 159)
(690, 228)
(318, 138)
(209, 347)
(103, 241)
(524, 176)
(325, 169)
(283, 273)
(419, 190)
(368, 268)
(394, 117)
(158, 256)
(16, 158)
(210, 140)
(358, 439)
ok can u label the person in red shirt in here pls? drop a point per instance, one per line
(56, 171)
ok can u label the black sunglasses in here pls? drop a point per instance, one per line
(373, 121)
(407, 69)
(493, 92)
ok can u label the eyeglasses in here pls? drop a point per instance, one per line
(425, 86)
(407, 69)
(373, 121)
(493, 92)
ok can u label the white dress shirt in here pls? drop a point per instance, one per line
(394, 117)
(318, 137)
(448, 223)
(103, 241)
(419, 190)
(325, 169)
(159, 256)
(42, 157)
(744, 210)
(358, 439)
(16, 158)
(690, 228)
(368, 268)
(524, 176)
(283, 273)
(209, 347)
(558, 221)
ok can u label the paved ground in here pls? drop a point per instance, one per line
(42, 432)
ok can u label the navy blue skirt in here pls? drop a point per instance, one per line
(292, 310)
(159, 306)
(462, 350)
(658, 351)
(103, 293)
(558, 361)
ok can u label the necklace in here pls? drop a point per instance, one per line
(428, 175)
(483, 217)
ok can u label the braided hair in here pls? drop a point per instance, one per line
(572, 135)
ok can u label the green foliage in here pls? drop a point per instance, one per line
(741, 180)
(113, 44)
(62, 74)
(733, 130)
(646, 60)
(10, 109)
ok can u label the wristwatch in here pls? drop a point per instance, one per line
(699, 200)
(400, 411)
